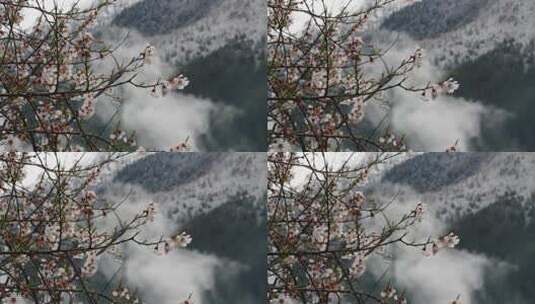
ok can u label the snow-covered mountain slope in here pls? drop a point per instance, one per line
(186, 29)
(190, 184)
(109, 13)
(430, 18)
(455, 185)
(456, 30)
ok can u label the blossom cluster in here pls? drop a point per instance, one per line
(51, 81)
(448, 241)
(322, 76)
(181, 240)
(60, 229)
(323, 229)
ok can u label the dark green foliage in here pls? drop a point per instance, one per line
(162, 16)
(503, 78)
(504, 230)
(433, 171)
(503, 220)
(234, 75)
(429, 18)
(234, 231)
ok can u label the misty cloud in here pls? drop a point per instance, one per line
(165, 279)
(438, 279)
(429, 124)
(450, 273)
(165, 121)
(436, 124)
(173, 278)
(441, 278)
(159, 122)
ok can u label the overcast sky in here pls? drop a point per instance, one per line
(31, 14)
